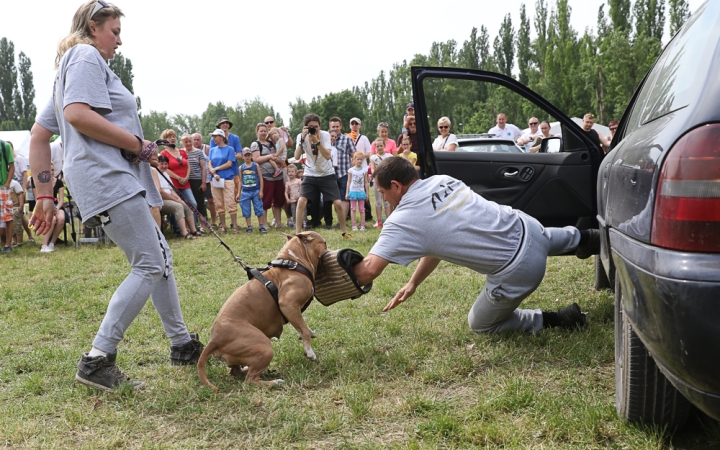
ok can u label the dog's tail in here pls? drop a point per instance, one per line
(201, 365)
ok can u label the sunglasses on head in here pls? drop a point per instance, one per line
(269, 122)
(100, 5)
(442, 127)
(590, 116)
(383, 124)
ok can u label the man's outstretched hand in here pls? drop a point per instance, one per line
(402, 295)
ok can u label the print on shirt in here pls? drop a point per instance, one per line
(448, 197)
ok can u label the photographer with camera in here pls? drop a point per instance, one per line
(319, 177)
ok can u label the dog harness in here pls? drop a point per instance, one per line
(272, 288)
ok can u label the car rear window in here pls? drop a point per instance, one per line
(670, 85)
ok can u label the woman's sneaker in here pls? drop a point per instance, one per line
(354, 228)
(362, 229)
(47, 248)
(101, 373)
(187, 354)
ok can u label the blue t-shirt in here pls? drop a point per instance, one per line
(221, 155)
(249, 177)
(234, 142)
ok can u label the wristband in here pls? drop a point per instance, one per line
(42, 197)
(146, 153)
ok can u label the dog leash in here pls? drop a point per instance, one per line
(202, 218)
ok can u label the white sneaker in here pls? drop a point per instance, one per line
(47, 248)
(354, 228)
(362, 228)
(272, 224)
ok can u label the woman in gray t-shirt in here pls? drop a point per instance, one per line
(107, 171)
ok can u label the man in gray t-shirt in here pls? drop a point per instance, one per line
(441, 218)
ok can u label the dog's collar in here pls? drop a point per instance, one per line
(292, 265)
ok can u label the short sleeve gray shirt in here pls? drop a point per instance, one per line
(97, 175)
(443, 218)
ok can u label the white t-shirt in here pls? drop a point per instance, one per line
(317, 166)
(510, 131)
(377, 159)
(16, 187)
(363, 145)
(530, 136)
(57, 155)
(442, 217)
(164, 185)
(22, 164)
(442, 143)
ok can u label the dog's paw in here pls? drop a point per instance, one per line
(311, 355)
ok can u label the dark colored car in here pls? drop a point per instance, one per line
(655, 198)
(659, 213)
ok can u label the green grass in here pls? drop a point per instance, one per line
(414, 378)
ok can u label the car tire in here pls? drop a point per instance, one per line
(642, 392)
(601, 280)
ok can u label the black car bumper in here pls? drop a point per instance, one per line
(673, 302)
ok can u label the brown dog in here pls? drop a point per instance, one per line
(242, 329)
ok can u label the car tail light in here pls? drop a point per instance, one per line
(687, 205)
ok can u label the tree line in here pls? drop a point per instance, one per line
(17, 92)
(594, 71)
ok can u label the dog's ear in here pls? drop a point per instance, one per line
(306, 237)
(288, 236)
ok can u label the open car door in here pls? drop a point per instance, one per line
(557, 188)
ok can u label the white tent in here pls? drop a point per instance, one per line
(19, 139)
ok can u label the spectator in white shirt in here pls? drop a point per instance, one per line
(527, 138)
(504, 129)
(446, 141)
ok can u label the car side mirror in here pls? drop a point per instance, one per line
(552, 144)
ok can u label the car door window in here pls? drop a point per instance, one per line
(670, 85)
(472, 108)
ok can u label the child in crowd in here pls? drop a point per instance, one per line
(280, 150)
(407, 154)
(333, 150)
(292, 193)
(374, 161)
(358, 189)
(17, 195)
(251, 191)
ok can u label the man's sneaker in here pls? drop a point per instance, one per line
(47, 248)
(249, 230)
(589, 244)
(263, 230)
(187, 354)
(101, 372)
(571, 316)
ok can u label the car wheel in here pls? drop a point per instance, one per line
(601, 279)
(642, 393)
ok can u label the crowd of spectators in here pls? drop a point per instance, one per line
(331, 171)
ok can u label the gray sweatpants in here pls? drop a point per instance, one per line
(496, 308)
(133, 229)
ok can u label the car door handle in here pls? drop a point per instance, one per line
(511, 174)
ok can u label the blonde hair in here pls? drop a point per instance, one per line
(80, 29)
(185, 138)
(444, 120)
(167, 133)
(358, 153)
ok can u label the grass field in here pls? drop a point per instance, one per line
(415, 377)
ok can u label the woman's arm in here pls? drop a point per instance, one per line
(84, 119)
(40, 166)
(203, 173)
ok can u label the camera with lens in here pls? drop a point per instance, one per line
(312, 130)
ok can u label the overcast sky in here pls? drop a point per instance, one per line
(188, 54)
